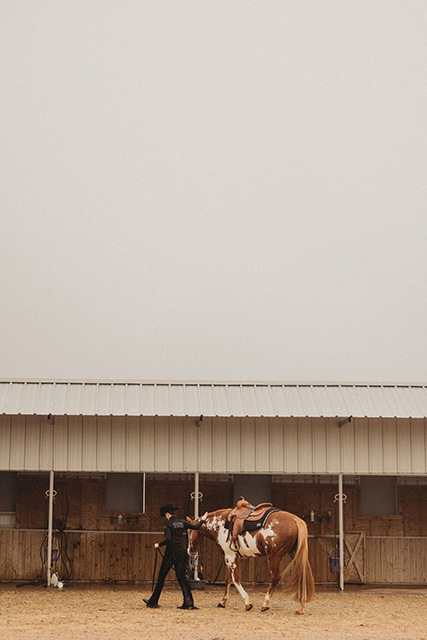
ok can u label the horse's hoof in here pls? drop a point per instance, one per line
(248, 607)
(221, 606)
(264, 608)
(299, 612)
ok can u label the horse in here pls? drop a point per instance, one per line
(281, 533)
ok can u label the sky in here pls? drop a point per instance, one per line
(213, 191)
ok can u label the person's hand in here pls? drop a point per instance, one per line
(156, 545)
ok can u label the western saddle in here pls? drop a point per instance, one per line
(246, 517)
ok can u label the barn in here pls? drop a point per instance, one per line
(85, 466)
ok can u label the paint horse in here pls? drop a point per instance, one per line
(281, 533)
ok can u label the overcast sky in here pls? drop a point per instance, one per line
(214, 190)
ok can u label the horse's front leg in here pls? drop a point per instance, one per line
(233, 565)
(224, 600)
(274, 566)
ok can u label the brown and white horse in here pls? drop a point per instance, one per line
(282, 533)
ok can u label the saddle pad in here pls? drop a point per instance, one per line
(251, 525)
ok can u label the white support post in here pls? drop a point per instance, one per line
(196, 506)
(196, 495)
(197, 492)
(341, 529)
(50, 529)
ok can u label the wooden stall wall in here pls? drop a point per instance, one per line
(389, 546)
(94, 546)
(80, 502)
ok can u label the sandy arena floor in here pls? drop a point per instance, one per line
(112, 612)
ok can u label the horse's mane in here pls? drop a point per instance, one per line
(219, 512)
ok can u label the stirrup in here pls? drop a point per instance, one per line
(236, 545)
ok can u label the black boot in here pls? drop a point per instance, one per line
(151, 605)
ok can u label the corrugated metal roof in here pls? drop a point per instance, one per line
(212, 399)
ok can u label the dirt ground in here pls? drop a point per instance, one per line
(112, 612)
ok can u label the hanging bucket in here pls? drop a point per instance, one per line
(54, 555)
(334, 562)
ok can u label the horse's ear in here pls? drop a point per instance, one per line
(189, 520)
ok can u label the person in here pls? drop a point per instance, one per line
(175, 556)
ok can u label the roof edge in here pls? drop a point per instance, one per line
(290, 383)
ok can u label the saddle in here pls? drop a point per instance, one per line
(246, 517)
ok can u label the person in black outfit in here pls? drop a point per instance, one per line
(175, 555)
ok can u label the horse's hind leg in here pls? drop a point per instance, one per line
(274, 566)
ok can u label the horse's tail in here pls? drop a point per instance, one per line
(298, 574)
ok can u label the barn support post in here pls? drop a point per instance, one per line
(143, 493)
(196, 495)
(341, 528)
(50, 528)
(197, 490)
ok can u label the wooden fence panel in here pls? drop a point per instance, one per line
(129, 557)
(396, 560)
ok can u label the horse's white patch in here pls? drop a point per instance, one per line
(222, 538)
(230, 561)
(247, 546)
(241, 590)
(268, 535)
(214, 523)
(267, 532)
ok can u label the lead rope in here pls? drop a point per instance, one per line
(154, 570)
(220, 567)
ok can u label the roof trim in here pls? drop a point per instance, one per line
(233, 399)
(263, 383)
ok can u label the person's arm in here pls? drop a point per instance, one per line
(168, 538)
(160, 544)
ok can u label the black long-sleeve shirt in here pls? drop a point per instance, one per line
(174, 529)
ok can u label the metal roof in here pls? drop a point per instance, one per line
(212, 399)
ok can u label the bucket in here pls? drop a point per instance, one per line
(334, 565)
(54, 555)
(334, 562)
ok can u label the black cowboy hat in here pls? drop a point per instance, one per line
(168, 508)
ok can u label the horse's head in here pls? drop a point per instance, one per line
(194, 538)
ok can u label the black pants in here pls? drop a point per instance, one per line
(177, 558)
